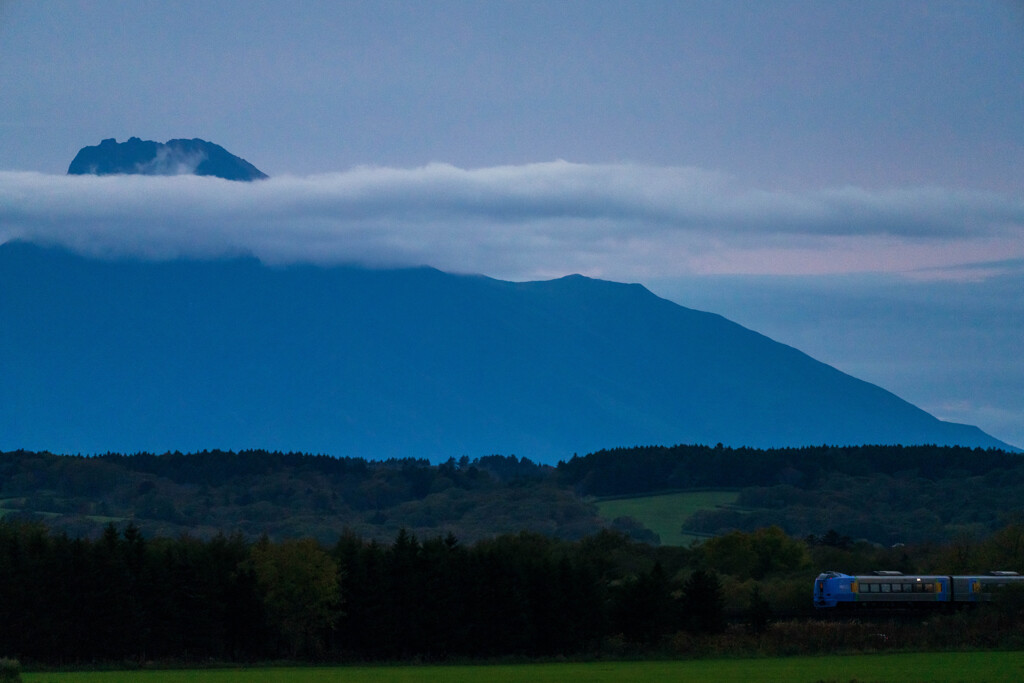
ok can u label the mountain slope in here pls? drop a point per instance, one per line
(125, 356)
(174, 157)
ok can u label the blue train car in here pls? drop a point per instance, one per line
(880, 589)
(983, 587)
(894, 590)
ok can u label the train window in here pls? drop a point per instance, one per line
(929, 588)
(885, 588)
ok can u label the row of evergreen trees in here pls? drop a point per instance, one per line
(124, 597)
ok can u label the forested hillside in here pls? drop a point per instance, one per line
(886, 494)
(289, 495)
(882, 494)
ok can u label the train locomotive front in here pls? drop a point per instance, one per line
(894, 590)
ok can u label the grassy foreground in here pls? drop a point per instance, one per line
(947, 667)
(664, 514)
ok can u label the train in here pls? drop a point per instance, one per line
(895, 590)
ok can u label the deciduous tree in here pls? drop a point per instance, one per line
(300, 587)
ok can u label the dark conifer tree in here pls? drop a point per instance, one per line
(704, 603)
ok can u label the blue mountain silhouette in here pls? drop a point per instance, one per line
(129, 355)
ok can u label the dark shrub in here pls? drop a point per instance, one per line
(10, 671)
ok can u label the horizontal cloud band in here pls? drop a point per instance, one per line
(519, 222)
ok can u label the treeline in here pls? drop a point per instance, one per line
(125, 598)
(647, 469)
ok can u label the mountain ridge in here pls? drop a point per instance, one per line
(186, 355)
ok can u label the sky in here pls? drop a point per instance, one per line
(844, 177)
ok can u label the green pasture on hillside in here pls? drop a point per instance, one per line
(948, 667)
(7, 511)
(4, 502)
(665, 513)
(51, 515)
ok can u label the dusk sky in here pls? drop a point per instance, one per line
(844, 177)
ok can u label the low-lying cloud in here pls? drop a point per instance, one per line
(170, 161)
(520, 222)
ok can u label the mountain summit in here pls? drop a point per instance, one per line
(127, 355)
(174, 157)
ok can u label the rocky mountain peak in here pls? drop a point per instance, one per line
(174, 157)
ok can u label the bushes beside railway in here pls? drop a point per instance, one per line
(10, 671)
(986, 628)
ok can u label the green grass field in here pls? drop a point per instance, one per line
(664, 514)
(992, 667)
